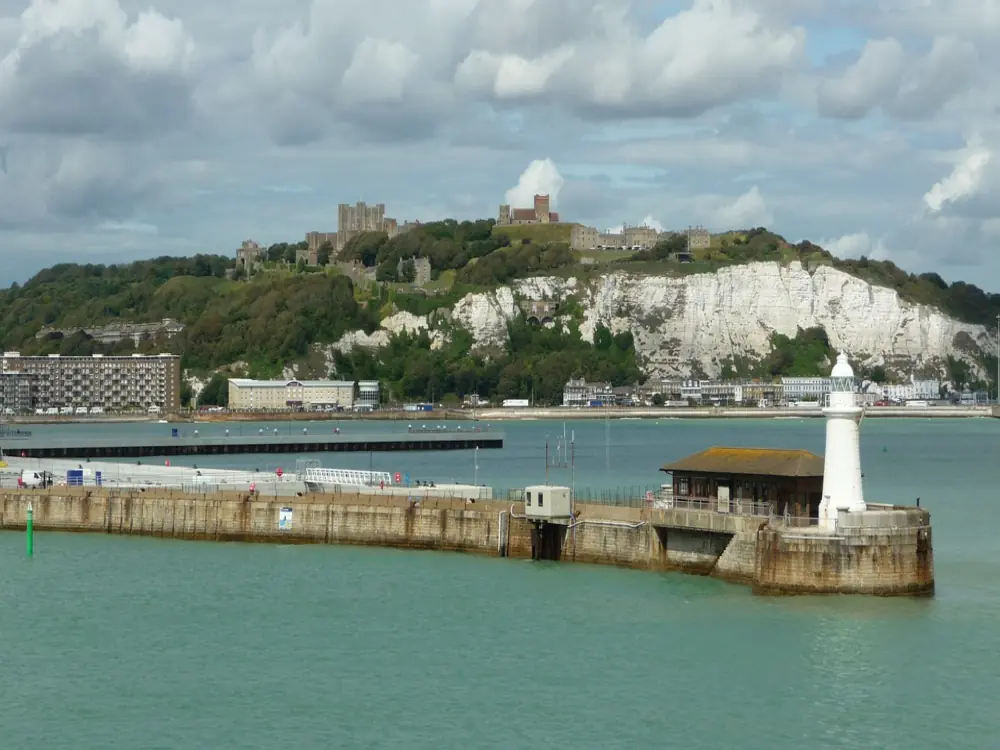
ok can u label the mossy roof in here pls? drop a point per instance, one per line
(755, 461)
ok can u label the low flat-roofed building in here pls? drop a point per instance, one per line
(246, 394)
(749, 481)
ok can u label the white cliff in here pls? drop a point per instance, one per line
(400, 322)
(699, 321)
(704, 319)
(486, 315)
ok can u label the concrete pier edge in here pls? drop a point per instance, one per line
(737, 549)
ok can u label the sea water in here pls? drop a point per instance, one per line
(111, 642)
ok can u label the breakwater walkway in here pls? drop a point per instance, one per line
(891, 555)
(195, 445)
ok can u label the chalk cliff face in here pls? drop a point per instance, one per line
(698, 321)
(401, 322)
(486, 316)
(683, 324)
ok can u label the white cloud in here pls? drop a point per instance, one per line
(905, 87)
(745, 212)
(649, 221)
(857, 245)
(715, 52)
(540, 178)
(214, 127)
(965, 179)
(378, 71)
(80, 67)
(652, 223)
(866, 83)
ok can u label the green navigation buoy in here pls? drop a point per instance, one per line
(30, 532)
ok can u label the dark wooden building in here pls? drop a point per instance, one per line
(749, 481)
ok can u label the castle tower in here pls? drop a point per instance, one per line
(842, 466)
(542, 209)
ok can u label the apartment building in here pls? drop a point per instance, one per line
(275, 395)
(137, 381)
(15, 393)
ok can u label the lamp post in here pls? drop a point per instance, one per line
(475, 458)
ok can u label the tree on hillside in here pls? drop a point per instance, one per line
(324, 253)
(215, 392)
(408, 271)
(364, 247)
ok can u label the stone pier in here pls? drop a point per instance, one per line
(886, 553)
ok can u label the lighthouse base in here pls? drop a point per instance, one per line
(883, 551)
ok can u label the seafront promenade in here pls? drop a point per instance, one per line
(515, 414)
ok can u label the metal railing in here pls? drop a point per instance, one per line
(734, 507)
(635, 496)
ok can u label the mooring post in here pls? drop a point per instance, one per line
(30, 532)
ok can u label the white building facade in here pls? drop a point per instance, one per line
(581, 393)
(276, 395)
(805, 389)
(915, 390)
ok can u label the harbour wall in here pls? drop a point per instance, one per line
(735, 548)
(886, 552)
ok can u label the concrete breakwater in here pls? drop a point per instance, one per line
(891, 559)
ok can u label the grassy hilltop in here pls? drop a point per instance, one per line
(260, 326)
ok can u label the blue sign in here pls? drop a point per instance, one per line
(406, 480)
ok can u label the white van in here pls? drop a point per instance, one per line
(82, 410)
(96, 409)
(153, 410)
(31, 478)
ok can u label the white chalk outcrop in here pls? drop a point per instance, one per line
(486, 315)
(400, 322)
(699, 321)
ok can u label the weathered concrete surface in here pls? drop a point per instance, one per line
(878, 558)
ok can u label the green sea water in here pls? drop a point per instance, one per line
(110, 642)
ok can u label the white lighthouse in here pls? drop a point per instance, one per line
(842, 466)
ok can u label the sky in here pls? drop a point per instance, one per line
(137, 128)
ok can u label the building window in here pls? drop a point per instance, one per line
(682, 486)
(527, 498)
(699, 486)
(541, 500)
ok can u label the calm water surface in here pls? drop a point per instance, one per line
(137, 643)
